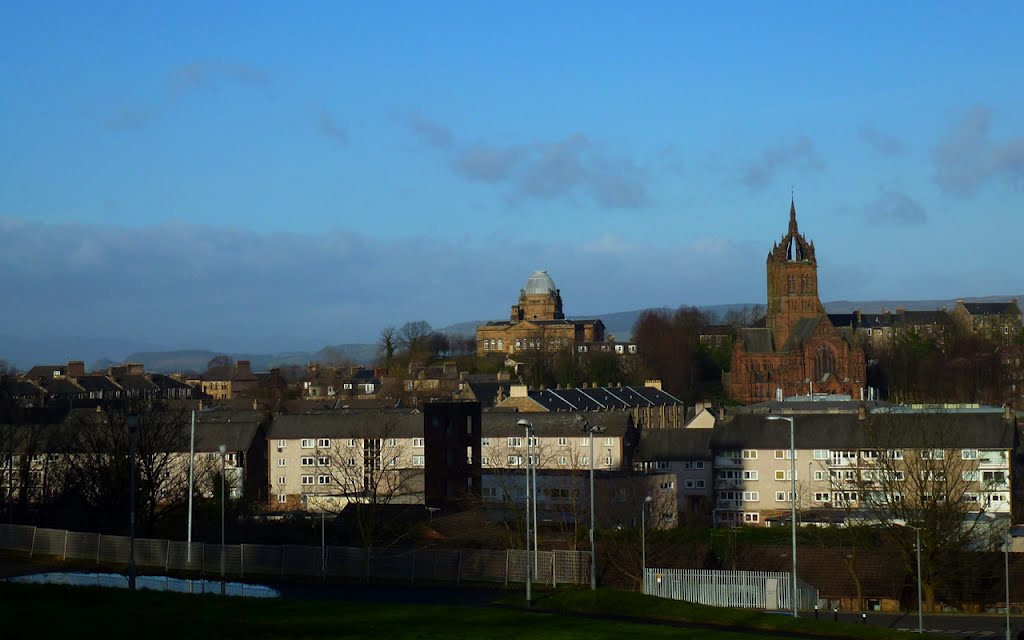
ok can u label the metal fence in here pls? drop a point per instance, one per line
(740, 589)
(269, 561)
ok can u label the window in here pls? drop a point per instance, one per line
(780, 496)
(485, 442)
(323, 461)
(750, 475)
(933, 454)
(609, 442)
(281, 444)
(751, 496)
(417, 461)
(607, 461)
(308, 443)
(351, 442)
(515, 461)
(993, 477)
(392, 442)
(280, 479)
(819, 475)
(307, 479)
(562, 460)
(306, 461)
(969, 454)
(824, 362)
(417, 443)
(821, 454)
(323, 443)
(323, 479)
(688, 484)
(785, 475)
(661, 465)
(971, 476)
(485, 460)
(750, 517)
(785, 454)
(562, 442)
(698, 465)
(515, 442)
(281, 462)
(750, 454)
(698, 484)
(490, 493)
(821, 496)
(666, 486)
(533, 442)
(282, 498)
(584, 461)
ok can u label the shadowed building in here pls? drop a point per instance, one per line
(799, 350)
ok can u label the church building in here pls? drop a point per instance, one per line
(798, 351)
(537, 323)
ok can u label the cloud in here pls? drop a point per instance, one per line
(881, 143)
(331, 129)
(545, 170)
(139, 283)
(130, 117)
(202, 74)
(966, 158)
(896, 208)
(433, 133)
(796, 156)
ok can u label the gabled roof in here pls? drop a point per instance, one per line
(992, 308)
(842, 319)
(674, 444)
(602, 398)
(97, 383)
(45, 371)
(486, 393)
(63, 386)
(135, 382)
(347, 424)
(167, 382)
(504, 423)
(757, 340)
(929, 316)
(802, 331)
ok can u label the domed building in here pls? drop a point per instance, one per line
(537, 323)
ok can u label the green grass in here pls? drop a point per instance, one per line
(82, 613)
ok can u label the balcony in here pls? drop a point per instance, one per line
(728, 463)
(728, 484)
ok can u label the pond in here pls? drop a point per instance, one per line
(150, 583)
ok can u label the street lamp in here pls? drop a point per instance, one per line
(528, 426)
(917, 540)
(590, 431)
(643, 538)
(223, 450)
(132, 422)
(1006, 574)
(792, 473)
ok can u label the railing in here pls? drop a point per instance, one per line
(268, 561)
(742, 589)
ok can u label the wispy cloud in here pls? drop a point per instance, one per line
(544, 170)
(331, 129)
(881, 143)
(798, 155)
(896, 208)
(967, 158)
(202, 74)
(130, 117)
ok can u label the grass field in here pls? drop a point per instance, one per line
(80, 613)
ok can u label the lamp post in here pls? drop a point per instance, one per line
(132, 421)
(643, 538)
(590, 431)
(917, 543)
(1006, 575)
(792, 473)
(528, 426)
(223, 450)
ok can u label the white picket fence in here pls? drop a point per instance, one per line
(739, 589)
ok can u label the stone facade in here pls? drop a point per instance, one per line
(537, 323)
(799, 350)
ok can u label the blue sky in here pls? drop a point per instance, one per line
(275, 176)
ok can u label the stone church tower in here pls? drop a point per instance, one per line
(798, 350)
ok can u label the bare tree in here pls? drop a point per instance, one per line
(413, 339)
(96, 460)
(387, 343)
(220, 360)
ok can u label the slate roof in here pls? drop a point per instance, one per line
(167, 382)
(600, 398)
(45, 371)
(930, 316)
(347, 424)
(487, 392)
(875, 320)
(135, 382)
(235, 435)
(842, 319)
(758, 340)
(882, 429)
(802, 331)
(97, 383)
(992, 308)
(674, 444)
(503, 423)
(63, 386)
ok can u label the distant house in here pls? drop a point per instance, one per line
(998, 321)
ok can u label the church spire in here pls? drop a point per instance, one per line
(792, 215)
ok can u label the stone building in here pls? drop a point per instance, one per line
(537, 324)
(997, 321)
(799, 350)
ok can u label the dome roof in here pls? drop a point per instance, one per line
(540, 282)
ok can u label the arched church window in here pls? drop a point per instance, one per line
(824, 362)
(792, 284)
(805, 284)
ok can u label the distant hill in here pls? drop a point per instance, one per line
(27, 352)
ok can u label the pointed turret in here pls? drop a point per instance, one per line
(792, 216)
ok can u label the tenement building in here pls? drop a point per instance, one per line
(799, 350)
(537, 324)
